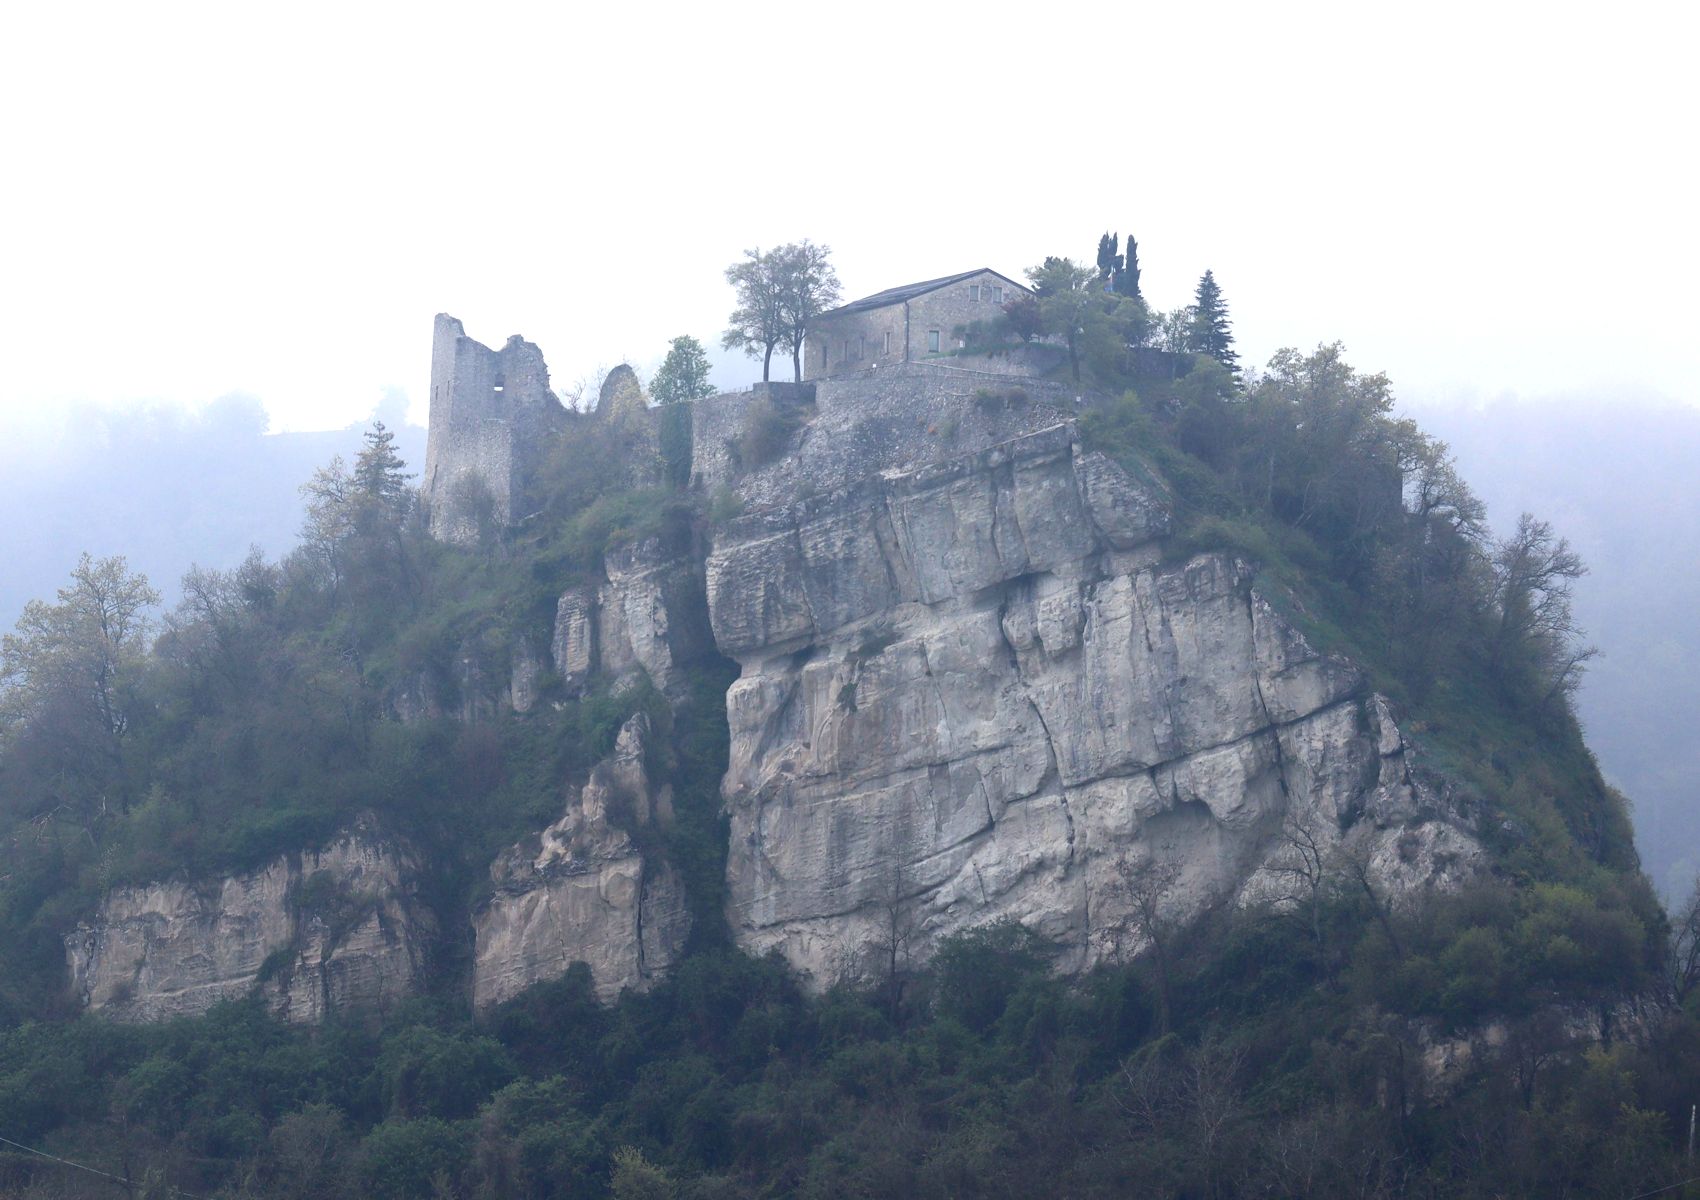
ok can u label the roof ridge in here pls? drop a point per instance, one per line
(909, 291)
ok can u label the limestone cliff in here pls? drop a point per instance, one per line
(315, 932)
(974, 687)
(584, 890)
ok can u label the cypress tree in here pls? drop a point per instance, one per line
(1109, 262)
(1212, 333)
(1127, 279)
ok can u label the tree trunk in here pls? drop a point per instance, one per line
(797, 363)
(767, 363)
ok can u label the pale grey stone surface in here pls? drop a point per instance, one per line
(973, 689)
(492, 415)
(583, 891)
(177, 948)
(647, 618)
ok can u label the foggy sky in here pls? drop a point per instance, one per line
(209, 199)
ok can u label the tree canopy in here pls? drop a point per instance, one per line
(683, 374)
(1211, 332)
(780, 293)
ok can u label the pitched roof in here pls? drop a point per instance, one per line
(909, 291)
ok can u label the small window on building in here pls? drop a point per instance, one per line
(932, 341)
(844, 351)
(887, 350)
(997, 293)
(498, 384)
(824, 349)
(974, 292)
(861, 347)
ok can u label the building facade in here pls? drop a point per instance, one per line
(911, 323)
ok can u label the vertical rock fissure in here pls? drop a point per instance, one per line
(1263, 704)
(637, 920)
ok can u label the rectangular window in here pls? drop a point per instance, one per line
(861, 348)
(974, 292)
(888, 342)
(932, 341)
(997, 294)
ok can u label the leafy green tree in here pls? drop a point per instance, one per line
(357, 530)
(758, 323)
(636, 1178)
(780, 293)
(808, 287)
(405, 1160)
(1211, 332)
(978, 970)
(1537, 647)
(82, 647)
(66, 677)
(1069, 303)
(1022, 311)
(683, 374)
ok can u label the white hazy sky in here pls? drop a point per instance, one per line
(274, 200)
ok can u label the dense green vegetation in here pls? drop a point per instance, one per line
(1295, 1050)
(263, 717)
(1289, 1071)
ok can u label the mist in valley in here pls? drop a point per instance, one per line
(170, 488)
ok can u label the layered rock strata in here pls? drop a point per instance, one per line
(584, 891)
(317, 932)
(648, 617)
(975, 689)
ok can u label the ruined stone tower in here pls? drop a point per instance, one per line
(492, 415)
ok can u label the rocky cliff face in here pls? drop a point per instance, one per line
(975, 684)
(975, 689)
(584, 890)
(314, 932)
(647, 619)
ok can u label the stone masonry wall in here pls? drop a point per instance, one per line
(875, 338)
(492, 412)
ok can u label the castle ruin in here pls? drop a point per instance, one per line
(492, 417)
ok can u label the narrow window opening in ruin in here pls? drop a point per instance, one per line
(499, 383)
(861, 347)
(997, 294)
(974, 292)
(932, 341)
(887, 349)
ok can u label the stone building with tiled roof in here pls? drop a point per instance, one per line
(904, 324)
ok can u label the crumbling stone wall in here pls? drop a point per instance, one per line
(492, 416)
(717, 424)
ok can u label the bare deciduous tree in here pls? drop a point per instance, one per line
(1145, 884)
(1682, 966)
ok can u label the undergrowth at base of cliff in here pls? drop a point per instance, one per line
(1294, 1067)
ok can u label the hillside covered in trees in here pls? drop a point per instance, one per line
(1533, 1032)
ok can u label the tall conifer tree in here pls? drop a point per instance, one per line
(1109, 261)
(1127, 279)
(1212, 333)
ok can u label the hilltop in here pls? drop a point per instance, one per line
(937, 776)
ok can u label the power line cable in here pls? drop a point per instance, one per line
(1668, 1187)
(119, 1179)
